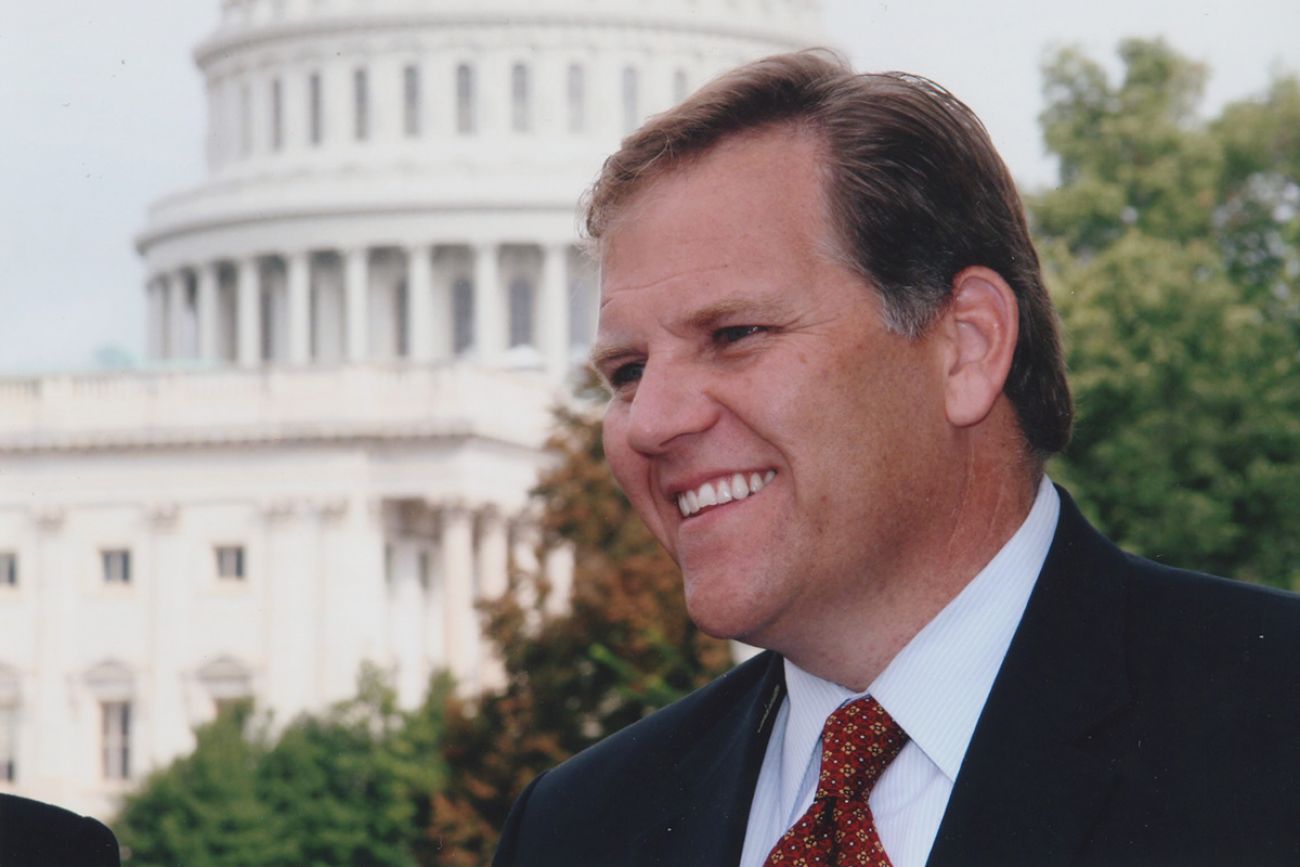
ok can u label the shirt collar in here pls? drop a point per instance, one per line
(936, 687)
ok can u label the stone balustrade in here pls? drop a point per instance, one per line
(190, 407)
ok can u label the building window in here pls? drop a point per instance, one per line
(230, 562)
(8, 743)
(229, 684)
(462, 315)
(577, 90)
(680, 88)
(360, 104)
(8, 569)
(425, 571)
(411, 101)
(521, 313)
(115, 739)
(520, 118)
(390, 564)
(116, 565)
(245, 120)
(631, 108)
(315, 110)
(234, 707)
(277, 114)
(465, 120)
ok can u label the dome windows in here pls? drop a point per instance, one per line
(466, 122)
(338, 107)
(576, 88)
(315, 110)
(360, 104)
(277, 114)
(520, 109)
(245, 120)
(411, 100)
(631, 99)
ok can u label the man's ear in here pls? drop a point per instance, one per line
(981, 325)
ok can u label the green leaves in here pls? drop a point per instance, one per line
(1172, 248)
(341, 788)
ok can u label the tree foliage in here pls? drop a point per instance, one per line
(345, 787)
(204, 808)
(1174, 248)
(341, 786)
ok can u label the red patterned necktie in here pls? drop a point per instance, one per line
(859, 741)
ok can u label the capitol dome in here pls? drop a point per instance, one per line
(397, 178)
(360, 321)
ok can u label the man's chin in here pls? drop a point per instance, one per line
(728, 621)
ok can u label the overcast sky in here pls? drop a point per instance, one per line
(102, 113)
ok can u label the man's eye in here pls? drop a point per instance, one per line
(625, 374)
(736, 333)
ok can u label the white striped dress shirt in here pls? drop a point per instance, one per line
(935, 688)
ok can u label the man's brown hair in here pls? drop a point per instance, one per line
(916, 192)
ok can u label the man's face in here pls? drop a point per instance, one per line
(735, 349)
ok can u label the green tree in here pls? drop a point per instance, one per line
(350, 786)
(624, 648)
(203, 810)
(1172, 247)
(341, 791)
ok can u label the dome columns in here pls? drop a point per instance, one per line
(499, 303)
(299, 291)
(206, 310)
(489, 325)
(420, 303)
(357, 303)
(249, 305)
(554, 324)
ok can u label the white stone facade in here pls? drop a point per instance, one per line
(358, 323)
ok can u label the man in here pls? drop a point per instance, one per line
(33, 834)
(835, 379)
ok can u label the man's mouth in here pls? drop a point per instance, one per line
(722, 490)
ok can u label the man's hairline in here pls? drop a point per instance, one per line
(831, 245)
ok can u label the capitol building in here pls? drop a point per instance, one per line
(359, 321)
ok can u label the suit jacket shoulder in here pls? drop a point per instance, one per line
(33, 834)
(683, 775)
(1143, 715)
(1195, 636)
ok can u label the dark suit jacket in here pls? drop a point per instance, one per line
(1143, 716)
(33, 834)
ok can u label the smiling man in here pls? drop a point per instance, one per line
(835, 377)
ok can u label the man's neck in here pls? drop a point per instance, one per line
(855, 641)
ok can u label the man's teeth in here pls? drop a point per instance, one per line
(722, 490)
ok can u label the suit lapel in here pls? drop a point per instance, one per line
(1035, 776)
(705, 820)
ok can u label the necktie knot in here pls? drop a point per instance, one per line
(859, 740)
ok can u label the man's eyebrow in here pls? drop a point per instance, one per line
(603, 353)
(708, 317)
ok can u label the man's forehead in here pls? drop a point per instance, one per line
(775, 152)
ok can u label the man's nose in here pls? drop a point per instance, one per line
(671, 402)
